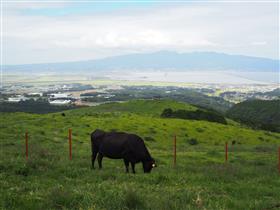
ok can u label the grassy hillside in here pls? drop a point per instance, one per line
(258, 113)
(141, 107)
(201, 179)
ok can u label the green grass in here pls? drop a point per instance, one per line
(201, 179)
(142, 107)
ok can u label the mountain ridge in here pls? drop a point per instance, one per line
(160, 60)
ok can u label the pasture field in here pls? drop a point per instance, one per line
(200, 180)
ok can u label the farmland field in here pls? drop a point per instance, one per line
(200, 180)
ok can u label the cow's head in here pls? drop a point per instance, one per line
(149, 165)
(98, 134)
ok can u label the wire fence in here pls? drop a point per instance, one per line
(229, 150)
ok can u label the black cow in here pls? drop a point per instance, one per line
(119, 145)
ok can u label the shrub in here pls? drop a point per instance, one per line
(200, 130)
(42, 132)
(193, 141)
(167, 113)
(199, 114)
(261, 138)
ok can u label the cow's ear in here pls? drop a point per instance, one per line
(98, 134)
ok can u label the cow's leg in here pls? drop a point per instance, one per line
(133, 167)
(93, 157)
(99, 158)
(126, 163)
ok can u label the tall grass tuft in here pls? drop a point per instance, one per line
(132, 200)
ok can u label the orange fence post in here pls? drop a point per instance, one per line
(70, 143)
(226, 152)
(26, 145)
(174, 151)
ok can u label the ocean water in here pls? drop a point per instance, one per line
(198, 77)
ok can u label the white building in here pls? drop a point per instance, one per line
(17, 99)
(59, 95)
(60, 98)
(60, 102)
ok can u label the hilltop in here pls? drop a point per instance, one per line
(152, 107)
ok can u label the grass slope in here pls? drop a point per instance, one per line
(48, 180)
(142, 107)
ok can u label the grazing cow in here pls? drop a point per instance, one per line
(119, 145)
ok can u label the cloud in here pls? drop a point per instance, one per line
(259, 43)
(230, 28)
(41, 4)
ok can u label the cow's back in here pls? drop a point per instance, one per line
(123, 145)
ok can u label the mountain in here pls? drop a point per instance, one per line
(162, 60)
(257, 113)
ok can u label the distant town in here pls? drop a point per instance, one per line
(87, 94)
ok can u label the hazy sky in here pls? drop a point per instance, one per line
(68, 31)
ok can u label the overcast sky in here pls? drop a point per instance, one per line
(54, 32)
